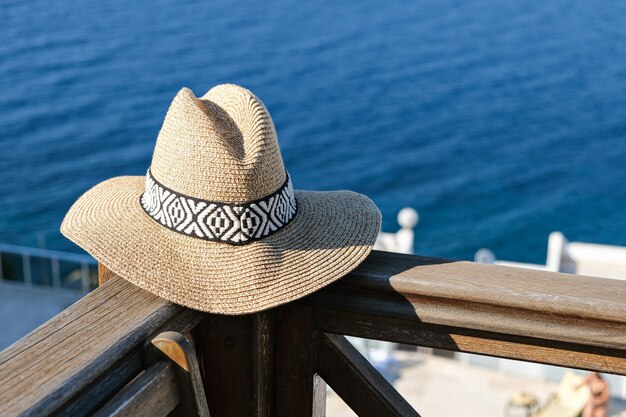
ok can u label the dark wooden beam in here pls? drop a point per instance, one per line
(356, 381)
(297, 391)
(263, 340)
(236, 357)
(223, 346)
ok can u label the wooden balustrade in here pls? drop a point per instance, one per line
(276, 363)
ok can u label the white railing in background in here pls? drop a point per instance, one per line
(581, 258)
(77, 267)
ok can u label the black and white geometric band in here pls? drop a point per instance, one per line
(235, 224)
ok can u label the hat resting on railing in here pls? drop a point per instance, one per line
(215, 224)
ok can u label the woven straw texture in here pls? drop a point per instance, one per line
(222, 147)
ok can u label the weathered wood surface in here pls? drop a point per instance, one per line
(223, 345)
(104, 274)
(153, 393)
(295, 362)
(169, 386)
(319, 397)
(298, 392)
(263, 344)
(173, 347)
(356, 381)
(260, 364)
(501, 311)
(107, 328)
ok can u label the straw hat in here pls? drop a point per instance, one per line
(215, 224)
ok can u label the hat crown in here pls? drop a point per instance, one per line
(221, 147)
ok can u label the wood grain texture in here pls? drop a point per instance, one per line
(169, 386)
(153, 393)
(295, 364)
(104, 274)
(414, 332)
(501, 311)
(173, 347)
(356, 381)
(263, 338)
(236, 357)
(224, 349)
(96, 393)
(68, 353)
(549, 292)
(319, 396)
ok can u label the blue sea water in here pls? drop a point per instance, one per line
(499, 121)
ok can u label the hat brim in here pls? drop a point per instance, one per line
(330, 235)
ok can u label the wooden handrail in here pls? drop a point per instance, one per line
(530, 315)
(105, 329)
(264, 364)
(502, 286)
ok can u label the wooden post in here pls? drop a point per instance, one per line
(299, 392)
(104, 274)
(260, 365)
(236, 356)
(319, 396)
(263, 340)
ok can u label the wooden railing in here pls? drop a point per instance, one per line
(276, 363)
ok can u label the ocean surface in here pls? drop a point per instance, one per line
(499, 121)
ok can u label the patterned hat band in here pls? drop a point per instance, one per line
(235, 224)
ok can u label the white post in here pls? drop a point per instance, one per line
(484, 256)
(556, 247)
(56, 273)
(407, 219)
(402, 240)
(28, 276)
(84, 275)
